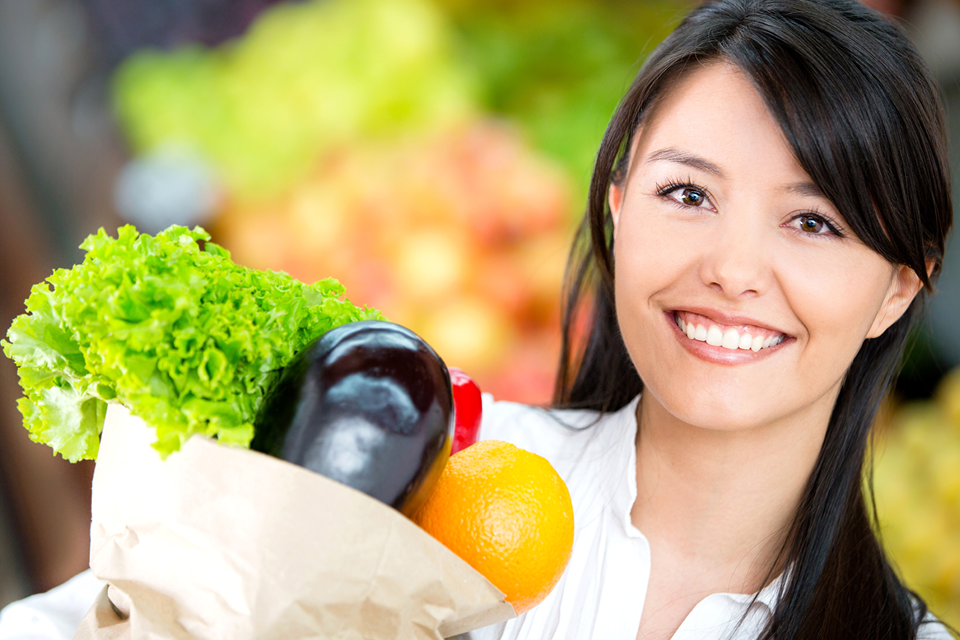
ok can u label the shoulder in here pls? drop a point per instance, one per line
(591, 451)
(933, 629)
(515, 422)
(930, 627)
(561, 436)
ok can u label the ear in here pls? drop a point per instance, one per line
(904, 287)
(615, 198)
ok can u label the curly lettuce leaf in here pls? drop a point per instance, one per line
(175, 331)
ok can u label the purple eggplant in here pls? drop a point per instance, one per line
(369, 404)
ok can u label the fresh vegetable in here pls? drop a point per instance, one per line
(175, 331)
(469, 409)
(368, 405)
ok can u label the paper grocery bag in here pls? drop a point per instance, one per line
(221, 542)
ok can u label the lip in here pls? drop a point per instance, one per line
(721, 355)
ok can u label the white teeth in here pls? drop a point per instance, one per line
(714, 336)
(729, 339)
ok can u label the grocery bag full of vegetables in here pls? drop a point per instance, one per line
(196, 539)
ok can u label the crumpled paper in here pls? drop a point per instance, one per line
(221, 542)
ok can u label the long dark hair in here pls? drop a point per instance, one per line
(864, 118)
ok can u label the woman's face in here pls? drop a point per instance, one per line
(741, 293)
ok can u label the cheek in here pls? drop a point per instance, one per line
(651, 253)
(836, 302)
(835, 295)
(652, 260)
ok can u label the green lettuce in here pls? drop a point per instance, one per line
(169, 327)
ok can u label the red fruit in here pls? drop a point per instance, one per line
(467, 408)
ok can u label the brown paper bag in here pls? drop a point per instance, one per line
(226, 543)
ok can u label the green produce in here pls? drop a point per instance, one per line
(306, 78)
(558, 68)
(169, 327)
(311, 77)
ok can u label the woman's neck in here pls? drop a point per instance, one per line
(719, 503)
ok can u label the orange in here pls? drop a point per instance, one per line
(506, 512)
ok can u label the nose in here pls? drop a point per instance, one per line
(737, 263)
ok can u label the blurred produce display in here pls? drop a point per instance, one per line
(433, 155)
(461, 236)
(559, 68)
(305, 77)
(917, 484)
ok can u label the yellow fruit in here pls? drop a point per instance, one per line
(507, 513)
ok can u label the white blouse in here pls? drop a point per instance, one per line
(602, 592)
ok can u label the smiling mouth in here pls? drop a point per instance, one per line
(743, 337)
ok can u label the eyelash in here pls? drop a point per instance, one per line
(828, 222)
(664, 191)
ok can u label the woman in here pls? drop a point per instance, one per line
(767, 213)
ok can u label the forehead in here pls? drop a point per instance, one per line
(715, 113)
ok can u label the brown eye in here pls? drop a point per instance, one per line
(811, 224)
(691, 197)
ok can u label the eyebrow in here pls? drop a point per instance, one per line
(805, 189)
(682, 157)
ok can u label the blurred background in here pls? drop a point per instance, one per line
(433, 155)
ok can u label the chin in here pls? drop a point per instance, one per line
(716, 409)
